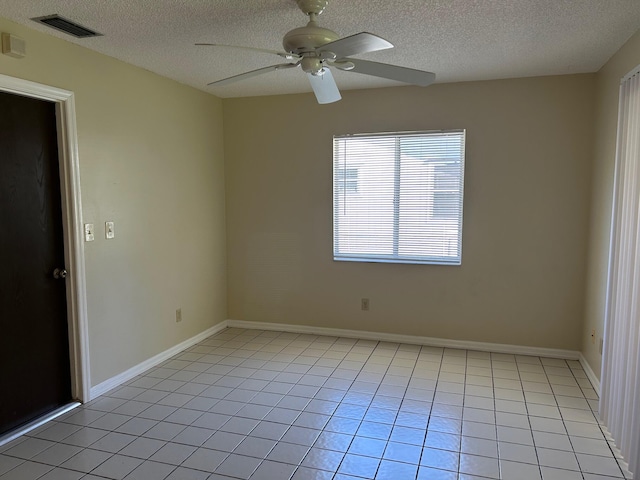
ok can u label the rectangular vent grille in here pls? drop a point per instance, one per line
(66, 26)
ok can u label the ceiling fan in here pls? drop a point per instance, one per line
(314, 49)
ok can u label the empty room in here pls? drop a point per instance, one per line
(311, 239)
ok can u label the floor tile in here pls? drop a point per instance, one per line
(334, 441)
(29, 448)
(288, 453)
(269, 470)
(57, 454)
(57, 432)
(27, 471)
(86, 460)
(269, 430)
(164, 431)
(413, 436)
(273, 405)
(517, 453)
(590, 446)
(62, 474)
(598, 465)
(113, 442)
(301, 436)
(142, 447)
(224, 441)
(8, 463)
(322, 459)
(148, 470)
(549, 473)
(359, 465)
(400, 452)
(117, 467)
(557, 459)
(552, 440)
(427, 473)
(369, 447)
(173, 453)
(440, 459)
(479, 446)
(481, 466)
(205, 459)
(389, 470)
(380, 431)
(238, 466)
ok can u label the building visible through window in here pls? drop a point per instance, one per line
(347, 180)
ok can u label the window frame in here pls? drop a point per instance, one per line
(397, 222)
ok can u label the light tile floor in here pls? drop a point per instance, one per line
(262, 405)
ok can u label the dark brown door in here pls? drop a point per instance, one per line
(34, 343)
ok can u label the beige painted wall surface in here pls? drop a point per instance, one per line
(151, 160)
(607, 91)
(525, 218)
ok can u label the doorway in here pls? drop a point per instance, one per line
(67, 329)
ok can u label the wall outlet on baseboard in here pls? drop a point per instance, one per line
(178, 315)
(364, 304)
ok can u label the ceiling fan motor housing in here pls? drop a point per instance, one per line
(308, 38)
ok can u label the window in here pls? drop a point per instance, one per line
(398, 197)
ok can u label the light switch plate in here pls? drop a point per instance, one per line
(89, 232)
(109, 231)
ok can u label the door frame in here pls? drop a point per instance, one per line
(71, 223)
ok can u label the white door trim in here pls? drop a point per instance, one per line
(72, 225)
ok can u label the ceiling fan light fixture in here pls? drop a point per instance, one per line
(312, 65)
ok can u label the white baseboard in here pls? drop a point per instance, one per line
(412, 339)
(127, 375)
(590, 373)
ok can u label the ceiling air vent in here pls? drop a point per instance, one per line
(66, 26)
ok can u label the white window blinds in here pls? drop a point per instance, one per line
(398, 197)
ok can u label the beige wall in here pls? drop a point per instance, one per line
(528, 177)
(607, 86)
(151, 155)
(151, 160)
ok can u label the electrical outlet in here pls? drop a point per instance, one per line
(178, 315)
(593, 336)
(364, 304)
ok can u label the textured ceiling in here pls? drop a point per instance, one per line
(459, 40)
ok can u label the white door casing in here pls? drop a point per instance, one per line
(72, 225)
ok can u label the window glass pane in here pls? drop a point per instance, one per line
(365, 213)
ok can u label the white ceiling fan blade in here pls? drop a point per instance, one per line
(252, 73)
(288, 56)
(357, 44)
(391, 72)
(324, 86)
